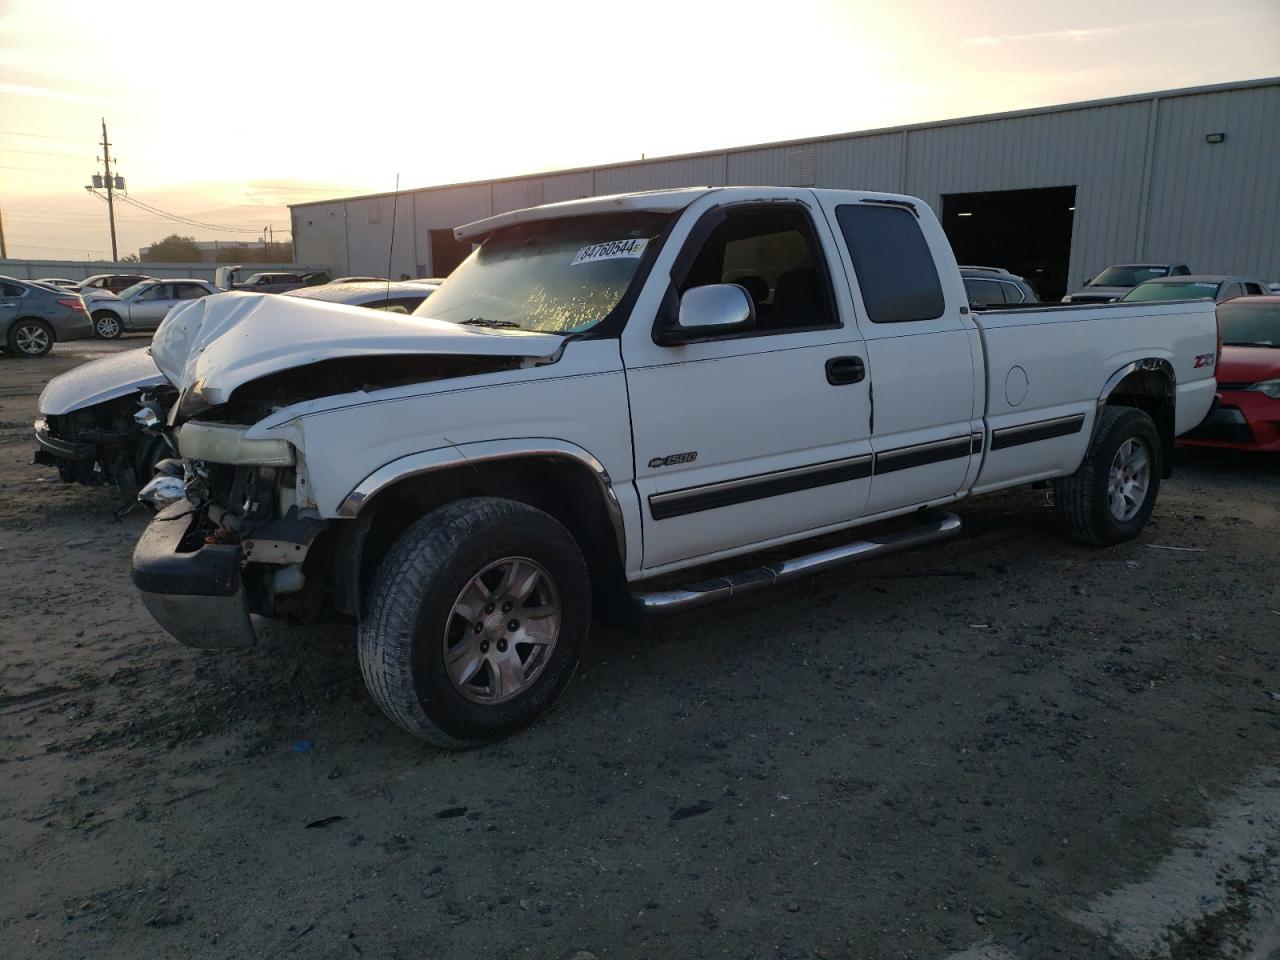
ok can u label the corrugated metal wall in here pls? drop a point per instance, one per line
(1147, 185)
(321, 230)
(1218, 205)
(1098, 150)
(368, 236)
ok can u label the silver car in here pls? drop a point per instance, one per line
(1116, 281)
(143, 305)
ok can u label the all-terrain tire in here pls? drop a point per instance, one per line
(402, 633)
(107, 325)
(30, 338)
(1083, 500)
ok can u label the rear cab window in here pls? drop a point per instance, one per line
(893, 263)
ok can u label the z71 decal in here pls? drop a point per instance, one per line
(672, 460)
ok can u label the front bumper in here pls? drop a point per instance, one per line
(1242, 420)
(197, 595)
(59, 448)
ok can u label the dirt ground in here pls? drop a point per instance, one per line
(1005, 748)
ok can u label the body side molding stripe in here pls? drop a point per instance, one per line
(678, 503)
(923, 453)
(1039, 430)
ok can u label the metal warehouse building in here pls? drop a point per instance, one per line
(1054, 194)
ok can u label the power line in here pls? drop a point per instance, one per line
(185, 221)
(192, 220)
(38, 136)
(41, 246)
(189, 221)
(43, 153)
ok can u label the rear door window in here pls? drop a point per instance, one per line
(893, 263)
(983, 293)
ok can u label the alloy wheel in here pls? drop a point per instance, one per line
(1129, 479)
(502, 630)
(32, 339)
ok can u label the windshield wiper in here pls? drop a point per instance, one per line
(496, 324)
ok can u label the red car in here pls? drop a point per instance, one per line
(1247, 416)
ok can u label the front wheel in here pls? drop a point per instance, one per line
(1109, 499)
(31, 338)
(107, 325)
(475, 621)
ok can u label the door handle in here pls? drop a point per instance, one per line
(844, 370)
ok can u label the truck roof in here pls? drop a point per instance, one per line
(658, 200)
(661, 201)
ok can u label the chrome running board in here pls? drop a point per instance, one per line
(935, 527)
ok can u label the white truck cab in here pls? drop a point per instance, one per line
(612, 393)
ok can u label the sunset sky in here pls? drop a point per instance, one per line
(224, 113)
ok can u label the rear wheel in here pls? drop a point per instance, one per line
(30, 338)
(1110, 498)
(475, 621)
(107, 325)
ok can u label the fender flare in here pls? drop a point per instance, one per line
(1147, 364)
(488, 451)
(1169, 400)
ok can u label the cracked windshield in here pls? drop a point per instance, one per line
(553, 276)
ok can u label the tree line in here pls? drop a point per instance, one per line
(179, 249)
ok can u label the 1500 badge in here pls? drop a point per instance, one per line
(672, 460)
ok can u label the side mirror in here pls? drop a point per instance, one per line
(711, 311)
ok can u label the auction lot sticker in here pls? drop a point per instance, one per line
(612, 250)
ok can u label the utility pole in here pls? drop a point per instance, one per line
(4, 251)
(111, 202)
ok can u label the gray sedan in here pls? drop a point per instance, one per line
(33, 317)
(144, 305)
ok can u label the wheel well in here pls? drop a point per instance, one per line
(1151, 391)
(557, 485)
(40, 320)
(104, 313)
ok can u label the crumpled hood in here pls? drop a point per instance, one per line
(99, 381)
(209, 347)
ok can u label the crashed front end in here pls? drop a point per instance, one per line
(89, 428)
(233, 539)
(239, 531)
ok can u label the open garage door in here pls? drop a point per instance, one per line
(1028, 232)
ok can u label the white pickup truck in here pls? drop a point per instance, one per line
(611, 394)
